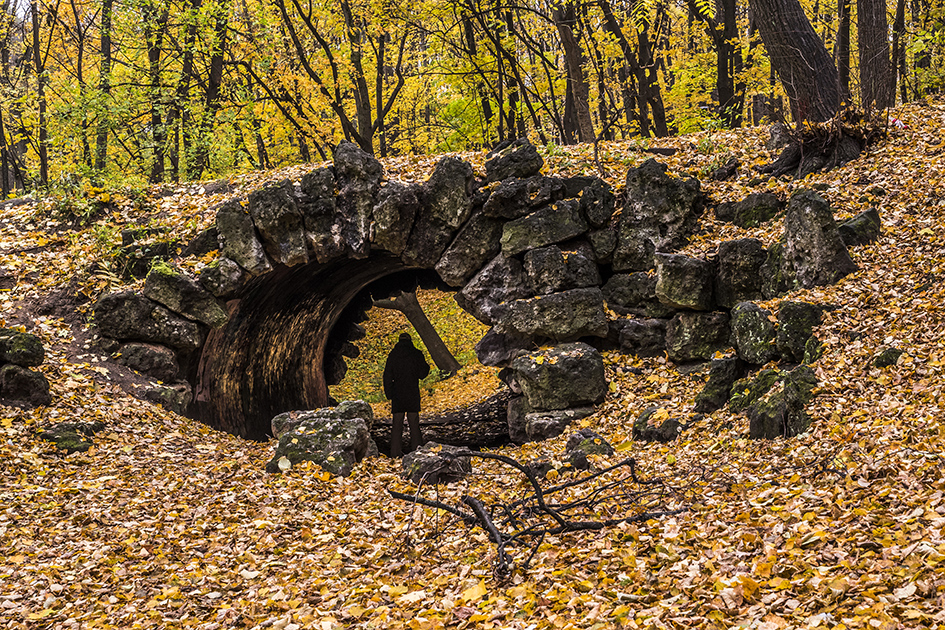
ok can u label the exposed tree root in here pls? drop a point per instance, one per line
(827, 145)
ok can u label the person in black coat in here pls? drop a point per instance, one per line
(403, 371)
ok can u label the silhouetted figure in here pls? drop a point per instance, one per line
(402, 373)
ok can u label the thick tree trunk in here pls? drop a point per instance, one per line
(407, 304)
(876, 79)
(799, 57)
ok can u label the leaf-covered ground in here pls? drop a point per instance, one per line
(166, 523)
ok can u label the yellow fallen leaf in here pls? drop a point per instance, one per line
(412, 598)
(476, 592)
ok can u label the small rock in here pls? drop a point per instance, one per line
(796, 322)
(515, 158)
(650, 427)
(544, 425)
(862, 229)
(723, 374)
(692, 336)
(435, 463)
(20, 384)
(72, 437)
(887, 357)
(21, 348)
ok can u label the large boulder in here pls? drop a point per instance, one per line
(183, 295)
(394, 213)
(660, 215)
(323, 223)
(498, 348)
(694, 336)
(569, 375)
(435, 463)
(684, 282)
(127, 315)
(551, 224)
(500, 281)
(749, 390)
(346, 410)
(544, 425)
(153, 360)
(796, 322)
(475, 245)
(551, 270)
(175, 397)
(642, 337)
(723, 373)
(21, 384)
(738, 277)
(753, 333)
(516, 158)
(21, 348)
(813, 247)
(444, 206)
(565, 316)
(223, 278)
(517, 414)
(358, 175)
(238, 237)
(634, 294)
(514, 198)
(781, 411)
(777, 276)
(280, 223)
(335, 445)
(862, 229)
(756, 209)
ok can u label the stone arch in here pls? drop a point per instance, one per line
(528, 254)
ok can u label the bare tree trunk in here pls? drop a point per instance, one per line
(876, 87)
(104, 85)
(40, 96)
(899, 50)
(799, 57)
(154, 28)
(407, 304)
(578, 90)
(214, 83)
(842, 49)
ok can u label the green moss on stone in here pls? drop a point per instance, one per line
(747, 391)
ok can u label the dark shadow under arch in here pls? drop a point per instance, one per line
(269, 357)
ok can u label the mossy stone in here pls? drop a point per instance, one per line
(887, 357)
(747, 391)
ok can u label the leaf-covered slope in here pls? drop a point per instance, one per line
(165, 523)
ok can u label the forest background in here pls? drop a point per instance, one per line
(99, 93)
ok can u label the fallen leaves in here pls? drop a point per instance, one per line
(165, 523)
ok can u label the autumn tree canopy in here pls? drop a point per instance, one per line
(141, 90)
